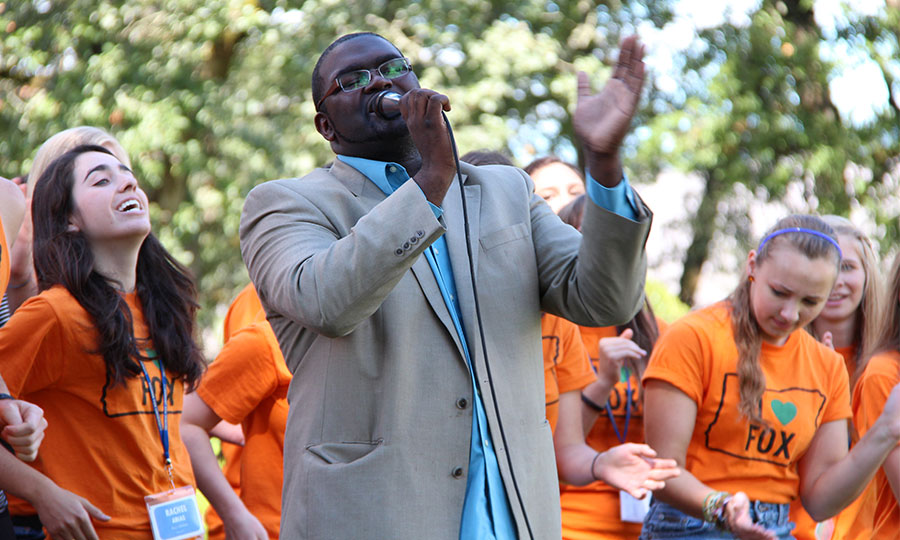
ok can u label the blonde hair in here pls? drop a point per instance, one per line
(747, 338)
(68, 139)
(888, 335)
(870, 304)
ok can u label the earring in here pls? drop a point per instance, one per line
(750, 278)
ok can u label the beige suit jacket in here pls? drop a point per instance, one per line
(377, 442)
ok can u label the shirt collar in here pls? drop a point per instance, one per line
(387, 175)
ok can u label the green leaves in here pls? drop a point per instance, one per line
(213, 98)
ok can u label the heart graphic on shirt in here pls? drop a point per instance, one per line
(784, 411)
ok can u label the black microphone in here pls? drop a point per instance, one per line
(387, 104)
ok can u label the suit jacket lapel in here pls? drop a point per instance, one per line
(428, 283)
(369, 195)
(357, 183)
(456, 243)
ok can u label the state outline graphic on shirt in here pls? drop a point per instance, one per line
(118, 400)
(618, 391)
(772, 443)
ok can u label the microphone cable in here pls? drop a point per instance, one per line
(487, 364)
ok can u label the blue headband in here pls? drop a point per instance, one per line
(803, 230)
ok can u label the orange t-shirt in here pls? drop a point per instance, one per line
(244, 310)
(248, 384)
(879, 518)
(849, 356)
(566, 365)
(591, 512)
(4, 261)
(101, 440)
(806, 386)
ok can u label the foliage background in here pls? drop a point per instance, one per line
(213, 98)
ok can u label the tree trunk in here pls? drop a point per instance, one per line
(703, 228)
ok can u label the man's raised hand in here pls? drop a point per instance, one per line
(601, 120)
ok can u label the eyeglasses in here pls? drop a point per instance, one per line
(354, 80)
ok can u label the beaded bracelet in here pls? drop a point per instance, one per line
(714, 507)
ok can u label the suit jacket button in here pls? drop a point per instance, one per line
(406, 245)
(398, 252)
(413, 240)
(420, 233)
(457, 472)
(462, 403)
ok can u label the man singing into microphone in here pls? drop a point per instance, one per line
(400, 426)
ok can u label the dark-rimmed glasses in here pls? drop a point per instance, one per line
(354, 80)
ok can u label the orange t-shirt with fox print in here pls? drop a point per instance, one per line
(806, 386)
(102, 441)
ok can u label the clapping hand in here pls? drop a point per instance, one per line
(635, 469)
(601, 120)
(739, 522)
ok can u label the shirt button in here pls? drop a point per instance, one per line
(392, 168)
(462, 403)
(398, 252)
(457, 472)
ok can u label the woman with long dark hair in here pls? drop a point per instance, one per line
(106, 349)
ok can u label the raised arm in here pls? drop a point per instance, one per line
(614, 234)
(601, 120)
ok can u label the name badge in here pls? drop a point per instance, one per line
(174, 514)
(633, 510)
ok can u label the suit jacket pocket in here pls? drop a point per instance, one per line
(504, 236)
(343, 452)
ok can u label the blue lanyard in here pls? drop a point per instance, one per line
(612, 419)
(162, 425)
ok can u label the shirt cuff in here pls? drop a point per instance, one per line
(438, 211)
(618, 199)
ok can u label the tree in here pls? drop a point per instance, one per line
(212, 98)
(766, 121)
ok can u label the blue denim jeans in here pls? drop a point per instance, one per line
(664, 521)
